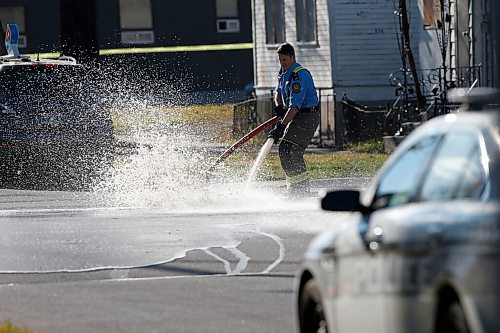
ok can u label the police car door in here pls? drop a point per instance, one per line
(358, 299)
(364, 275)
(408, 236)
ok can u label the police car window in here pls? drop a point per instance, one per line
(44, 81)
(399, 183)
(457, 171)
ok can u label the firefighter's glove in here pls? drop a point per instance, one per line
(280, 111)
(277, 132)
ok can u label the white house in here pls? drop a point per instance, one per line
(353, 46)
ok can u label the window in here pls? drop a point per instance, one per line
(275, 25)
(136, 22)
(226, 8)
(227, 16)
(14, 15)
(457, 171)
(305, 11)
(432, 14)
(398, 184)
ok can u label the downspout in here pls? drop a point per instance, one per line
(485, 42)
(495, 36)
(254, 51)
(472, 32)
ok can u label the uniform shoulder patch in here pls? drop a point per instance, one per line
(296, 87)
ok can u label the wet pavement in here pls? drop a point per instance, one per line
(73, 261)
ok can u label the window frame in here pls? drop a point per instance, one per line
(132, 35)
(275, 24)
(300, 31)
(219, 16)
(227, 23)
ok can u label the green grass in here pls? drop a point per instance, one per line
(217, 117)
(320, 165)
(7, 327)
(362, 159)
(368, 146)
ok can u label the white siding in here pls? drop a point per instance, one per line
(357, 46)
(366, 49)
(264, 61)
(366, 44)
(316, 58)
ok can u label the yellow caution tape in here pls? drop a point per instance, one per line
(162, 49)
(187, 48)
(51, 55)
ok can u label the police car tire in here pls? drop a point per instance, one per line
(311, 313)
(453, 320)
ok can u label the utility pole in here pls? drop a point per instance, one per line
(78, 30)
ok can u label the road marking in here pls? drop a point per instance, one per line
(121, 273)
(242, 260)
(227, 265)
(281, 256)
(8, 212)
(154, 278)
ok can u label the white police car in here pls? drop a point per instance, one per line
(53, 128)
(422, 253)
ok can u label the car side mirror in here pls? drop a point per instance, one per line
(342, 201)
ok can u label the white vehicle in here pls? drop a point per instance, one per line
(422, 251)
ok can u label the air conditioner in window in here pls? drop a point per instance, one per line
(138, 37)
(228, 25)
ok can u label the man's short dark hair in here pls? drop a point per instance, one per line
(286, 49)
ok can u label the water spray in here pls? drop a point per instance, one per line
(164, 171)
(266, 148)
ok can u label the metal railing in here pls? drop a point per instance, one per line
(252, 112)
(244, 117)
(435, 84)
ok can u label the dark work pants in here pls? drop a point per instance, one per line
(297, 137)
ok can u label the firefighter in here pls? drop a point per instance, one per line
(296, 104)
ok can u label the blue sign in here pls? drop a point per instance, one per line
(12, 34)
(11, 39)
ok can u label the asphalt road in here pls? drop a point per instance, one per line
(72, 262)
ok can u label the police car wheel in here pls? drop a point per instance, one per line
(453, 320)
(311, 314)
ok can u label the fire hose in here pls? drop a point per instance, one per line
(242, 141)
